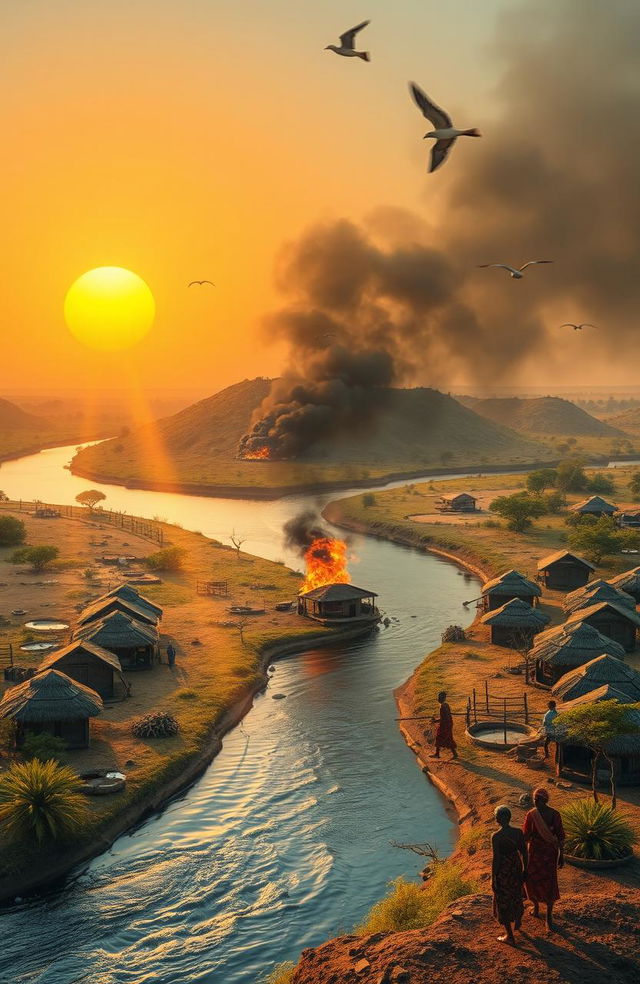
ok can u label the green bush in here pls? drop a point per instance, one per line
(412, 906)
(44, 747)
(596, 831)
(600, 484)
(12, 531)
(38, 557)
(282, 973)
(167, 559)
(41, 801)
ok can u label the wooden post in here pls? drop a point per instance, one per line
(526, 710)
(475, 713)
(486, 694)
(505, 720)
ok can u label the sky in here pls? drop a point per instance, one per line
(210, 138)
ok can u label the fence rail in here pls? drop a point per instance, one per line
(502, 708)
(135, 525)
(6, 654)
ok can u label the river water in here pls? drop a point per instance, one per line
(287, 838)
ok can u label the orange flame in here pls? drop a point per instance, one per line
(326, 561)
(258, 454)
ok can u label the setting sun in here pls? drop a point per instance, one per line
(109, 308)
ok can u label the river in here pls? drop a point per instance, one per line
(287, 838)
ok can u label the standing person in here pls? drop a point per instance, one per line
(547, 726)
(444, 731)
(508, 872)
(544, 834)
(171, 654)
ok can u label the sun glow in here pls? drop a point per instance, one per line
(109, 308)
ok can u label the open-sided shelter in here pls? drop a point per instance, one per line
(53, 703)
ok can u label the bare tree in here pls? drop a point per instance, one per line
(237, 539)
(241, 623)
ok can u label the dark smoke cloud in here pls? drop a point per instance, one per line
(302, 530)
(395, 301)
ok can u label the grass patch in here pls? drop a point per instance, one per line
(282, 973)
(412, 906)
(476, 838)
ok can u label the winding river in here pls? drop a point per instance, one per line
(287, 838)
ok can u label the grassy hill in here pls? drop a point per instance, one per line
(627, 421)
(12, 417)
(25, 433)
(544, 415)
(195, 449)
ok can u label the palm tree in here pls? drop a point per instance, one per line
(41, 801)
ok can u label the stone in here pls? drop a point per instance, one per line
(525, 799)
(362, 966)
(398, 975)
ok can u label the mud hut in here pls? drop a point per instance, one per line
(596, 506)
(515, 624)
(511, 584)
(460, 502)
(605, 670)
(629, 582)
(615, 621)
(574, 761)
(339, 603)
(130, 594)
(89, 665)
(595, 592)
(566, 647)
(564, 571)
(99, 609)
(54, 704)
(134, 643)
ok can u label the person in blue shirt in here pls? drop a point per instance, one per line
(547, 726)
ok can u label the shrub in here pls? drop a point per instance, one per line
(597, 540)
(155, 725)
(12, 531)
(600, 484)
(453, 633)
(368, 499)
(45, 747)
(412, 906)
(167, 559)
(38, 557)
(597, 832)
(570, 473)
(554, 501)
(41, 801)
(518, 510)
(282, 973)
(542, 479)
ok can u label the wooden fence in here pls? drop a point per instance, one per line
(6, 654)
(119, 520)
(492, 707)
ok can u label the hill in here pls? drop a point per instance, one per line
(413, 430)
(627, 421)
(12, 417)
(548, 415)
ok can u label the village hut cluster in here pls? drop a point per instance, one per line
(583, 660)
(117, 632)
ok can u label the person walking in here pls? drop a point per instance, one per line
(547, 726)
(444, 732)
(508, 872)
(171, 654)
(544, 834)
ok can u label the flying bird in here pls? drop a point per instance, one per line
(445, 133)
(200, 283)
(570, 324)
(347, 41)
(516, 274)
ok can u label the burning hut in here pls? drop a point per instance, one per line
(563, 648)
(629, 582)
(333, 604)
(595, 592)
(515, 624)
(615, 621)
(509, 585)
(53, 703)
(596, 506)
(602, 671)
(564, 571)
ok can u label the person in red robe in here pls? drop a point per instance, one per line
(544, 834)
(444, 730)
(508, 872)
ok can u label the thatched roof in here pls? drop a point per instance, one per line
(509, 583)
(50, 696)
(573, 645)
(118, 631)
(516, 614)
(598, 672)
(627, 581)
(129, 593)
(338, 592)
(454, 496)
(563, 555)
(81, 648)
(584, 613)
(625, 744)
(594, 504)
(595, 592)
(103, 606)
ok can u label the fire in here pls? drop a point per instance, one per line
(326, 561)
(258, 454)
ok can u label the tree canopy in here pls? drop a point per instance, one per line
(519, 510)
(12, 531)
(601, 539)
(38, 557)
(90, 498)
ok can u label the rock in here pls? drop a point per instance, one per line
(362, 966)
(525, 799)
(278, 696)
(398, 975)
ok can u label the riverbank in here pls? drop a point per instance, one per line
(212, 686)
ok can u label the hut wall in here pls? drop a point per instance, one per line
(75, 731)
(493, 601)
(576, 761)
(565, 576)
(546, 675)
(92, 673)
(139, 657)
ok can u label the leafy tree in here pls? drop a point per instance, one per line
(519, 510)
(601, 538)
(634, 485)
(38, 557)
(12, 531)
(542, 479)
(41, 801)
(596, 726)
(90, 498)
(167, 559)
(571, 475)
(600, 484)
(554, 501)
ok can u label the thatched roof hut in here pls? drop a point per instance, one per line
(99, 609)
(129, 593)
(564, 571)
(511, 584)
(565, 647)
(87, 664)
(628, 581)
(457, 502)
(605, 670)
(332, 603)
(575, 760)
(52, 702)
(595, 592)
(595, 505)
(135, 643)
(515, 623)
(615, 621)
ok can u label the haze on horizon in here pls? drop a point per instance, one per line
(219, 140)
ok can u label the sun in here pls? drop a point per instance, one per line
(109, 308)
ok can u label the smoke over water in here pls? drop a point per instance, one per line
(394, 300)
(325, 557)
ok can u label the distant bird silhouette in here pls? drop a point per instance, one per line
(347, 41)
(200, 283)
(516, 274)
(445, 133)
(570, 324)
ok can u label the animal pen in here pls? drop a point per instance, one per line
(504, 715)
